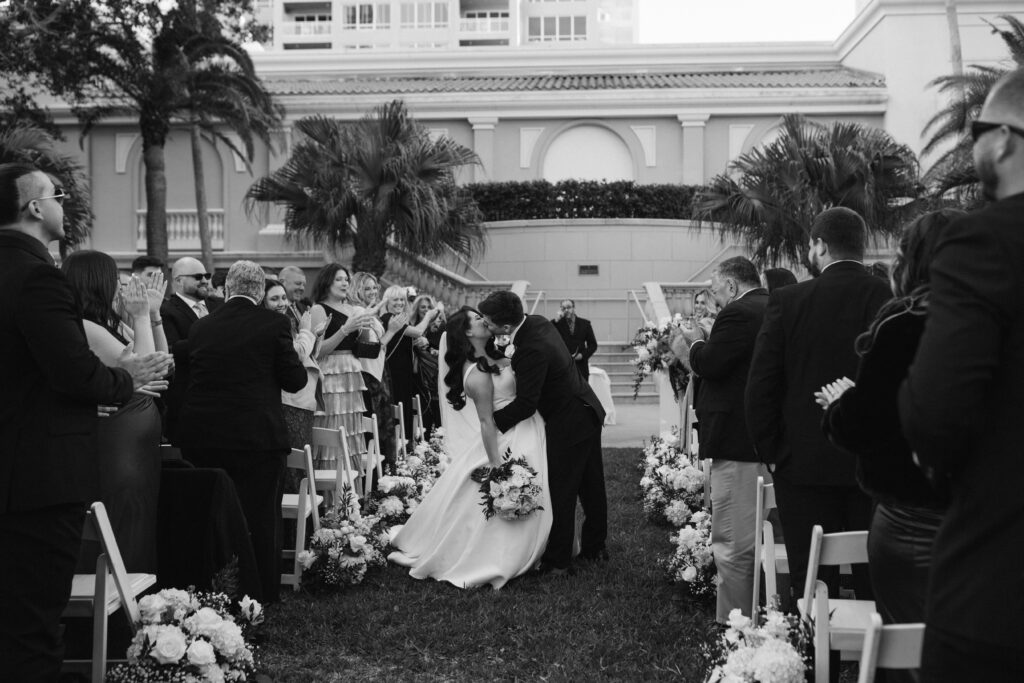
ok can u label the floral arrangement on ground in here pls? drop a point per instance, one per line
(654, 353)
(344, 548)
(692, 563)
(508, 490)
(191, 636)
(672, 482)
(777, 651)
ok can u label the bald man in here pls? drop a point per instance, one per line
(294, 281)
(960, 409)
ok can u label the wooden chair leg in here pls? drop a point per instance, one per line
(99, 622)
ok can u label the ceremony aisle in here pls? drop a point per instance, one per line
(616, 621)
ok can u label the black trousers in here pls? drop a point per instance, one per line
(577, 473)
(954, 658)
(259, 479)
(835, 508)
(38, 553)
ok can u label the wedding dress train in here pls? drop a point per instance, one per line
(447, 537)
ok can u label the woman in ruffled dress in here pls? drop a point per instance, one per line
(342, 373)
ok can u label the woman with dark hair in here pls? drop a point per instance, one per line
(427, 350)
(342, 374)
(398, 360)
(447, 538)
(862, 417)
(778, 277)
(128, 439)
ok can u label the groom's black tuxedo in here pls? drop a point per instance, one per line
(548, 382)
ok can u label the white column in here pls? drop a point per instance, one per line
(483, 145)
(693, 147)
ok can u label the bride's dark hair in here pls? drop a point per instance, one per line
(460, 351)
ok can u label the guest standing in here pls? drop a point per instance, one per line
(723, 363)
(778, 277)
(128, 441)
(427, 359)
(294, 282)
(399, 352)
(578, 335)
(960, 408)
(342, 374)
(50, 385)
(239, 359)
(807, 340)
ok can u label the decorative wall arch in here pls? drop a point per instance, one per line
(762, 134)
(630, 144)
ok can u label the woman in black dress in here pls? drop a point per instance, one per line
(426, 349)
(862, 417)
(400, 367)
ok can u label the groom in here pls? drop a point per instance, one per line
(547, 381)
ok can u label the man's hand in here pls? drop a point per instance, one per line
(144, 369)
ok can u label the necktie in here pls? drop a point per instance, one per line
(200, 309)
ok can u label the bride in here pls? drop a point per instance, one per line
(447, 538)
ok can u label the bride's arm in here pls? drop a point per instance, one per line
(480, 388)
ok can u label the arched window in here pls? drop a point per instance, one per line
(588, 152)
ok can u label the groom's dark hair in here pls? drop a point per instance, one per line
(503, 308)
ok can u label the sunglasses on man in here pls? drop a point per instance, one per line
(198, 276)
(60, 195)
(979, 128)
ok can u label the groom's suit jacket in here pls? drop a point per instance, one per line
(548, 382)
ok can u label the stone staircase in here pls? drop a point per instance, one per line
(615, 360)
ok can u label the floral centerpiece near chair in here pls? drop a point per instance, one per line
(672, 482)
(778, 651)
(692, 564)
(191, 636)
(344, 548)
(427, 461)
(654, 353)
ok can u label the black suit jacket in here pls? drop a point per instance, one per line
(723, 363)
(548, 382)
(580, 340)
(805, 342)
(50, 384)
(178, 317)
(239, 359)
(961, 411)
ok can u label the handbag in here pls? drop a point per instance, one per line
(367, 345)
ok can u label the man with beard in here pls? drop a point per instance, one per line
(805, 342)
(960, 408)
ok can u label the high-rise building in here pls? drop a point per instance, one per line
(344, 25)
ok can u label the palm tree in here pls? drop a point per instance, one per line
(770, 195)
(380, 180)
(27, 143)
(953, 171)
(119, 57)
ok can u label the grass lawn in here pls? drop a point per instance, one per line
(616, 621)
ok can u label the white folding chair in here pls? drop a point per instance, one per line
(101, 594)
(838, 624)
(418, 431)
(705, 467)
(768, 557)
(369, 460)
(897, 646)
(398, 413)
(300, 507)
(330, 481)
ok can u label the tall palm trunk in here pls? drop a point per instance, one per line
(156, 199)
(205, 240)
(955, 54)
(371, 250)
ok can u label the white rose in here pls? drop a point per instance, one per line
(212, 673)
(201, 652)
(438, 433)
(228, 640)
(152, 608)
(204, 622)
(251, 609)
(689, 574)
(357, 543)
(306, 559)
(169, 646)
(737, 620)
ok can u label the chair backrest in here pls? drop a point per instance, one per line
(846, 547)
(302, 459)
(760, 512)
(897, 646)
(417, 419)
(374, 458)
(335, 438)
(398, 413)
(705, 467)
(97, 527)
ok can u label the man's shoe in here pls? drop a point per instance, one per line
(545, 569)
(599, 555)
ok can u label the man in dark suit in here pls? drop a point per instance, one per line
(723, 362)
(239, 359)
(578, 335)
(806, 341)
(548, 382)
(294, 281)
(50, 385)
(961, 412)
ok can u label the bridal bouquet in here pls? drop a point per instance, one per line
(672, 482)
(343, 549)
(508, 490)
(693, 563)
(651, 344)
(190, 636)
(776, 652)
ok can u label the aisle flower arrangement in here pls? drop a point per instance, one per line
(692, 564)
(428, 460)
(393, 500)
(190, 636)
(509, 490)
(778, 651)
(672, 482)
(345, 547)
(653, 353)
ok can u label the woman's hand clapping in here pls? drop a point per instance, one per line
(830, 393)
(156, 290)
(136, 298)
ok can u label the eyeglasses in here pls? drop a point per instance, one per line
(979, 128)
(60, 196)
(198, 276)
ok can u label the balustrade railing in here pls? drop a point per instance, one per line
(183, 229)
(306, 28)
(484, 25)
(429, 278)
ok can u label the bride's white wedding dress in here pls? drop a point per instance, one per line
(447, 537)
